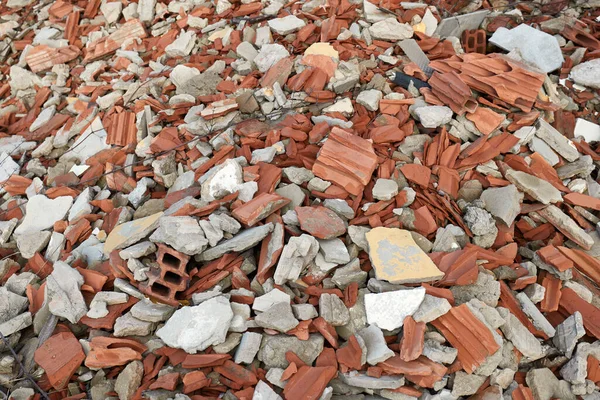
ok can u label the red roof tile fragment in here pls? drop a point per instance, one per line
(346, 160)
(468, 335)
(60, 356)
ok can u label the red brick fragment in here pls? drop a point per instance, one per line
(571, 302)
(259, 208)
(308, 383)
(413, 339)
(320, 222)
(351, 354)
(60, 356)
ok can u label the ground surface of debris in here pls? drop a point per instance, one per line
(316, 199)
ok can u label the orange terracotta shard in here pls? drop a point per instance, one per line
(452, 91)
(109, 352)
(413, 339)
(60, 356)
(486, 120)
(259, 208)
(571, 302)
(308, 382)
(346, 160)
(43, 57)
(473, 340)
(132, 29)
(495, 75)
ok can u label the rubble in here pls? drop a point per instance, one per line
(310, 200)
(181, 330)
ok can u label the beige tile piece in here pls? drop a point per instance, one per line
(398, 259)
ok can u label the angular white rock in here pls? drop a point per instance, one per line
(63, 292)
(269, 55)
(41, 213)
(388, 310)
(286, 25)
(391, 30)
(195, 328)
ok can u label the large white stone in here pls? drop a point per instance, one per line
(536, 47)
(41, 213)
(388, 310)
(286, 25)
(183, 45)
(587, 74)
(391, 30)
(90, 142)
(221, 180)
(182, 233)
(269, 55)
(434, 116)
(195, 328)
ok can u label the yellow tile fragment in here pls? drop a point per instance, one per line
(398, 259)
(322, 49)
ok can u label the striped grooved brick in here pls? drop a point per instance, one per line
(473, 340)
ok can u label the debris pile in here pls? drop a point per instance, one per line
(307, 200)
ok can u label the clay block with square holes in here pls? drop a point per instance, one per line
(474, 41)
(166, 282)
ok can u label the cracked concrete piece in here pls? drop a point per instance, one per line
(146, 310)
(297, 253)
(334, 251)
(41, 213)
(538, 319)
(355, 378)
(195, 328)
(556, 140)
(568, 333)
(267, 300)
(124, 235)
(587, 74)
(221, 180)
(545, 385)
(129, 380)
(438, 353)
(273, 348)
(279, 317)
(486, 288)
(128, 325)
(248, 348)
(537, 188)
(385, 189)
(520, 336)
(388, 310)
(241, 242)
(286, 25)
(377, 348)
(431, 308)
(63, 293)
(304, 312)
(182, 233)
(396, 257)
(466, 384)
(503, 203)
(333, 309)
(269, 55)
(434, 116)
(138, 250)
(390, 29)
(567, 226)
